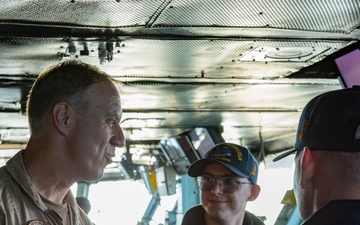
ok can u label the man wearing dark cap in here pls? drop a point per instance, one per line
(227, 178)
(327, 160)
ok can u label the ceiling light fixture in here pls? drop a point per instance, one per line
(283, 54)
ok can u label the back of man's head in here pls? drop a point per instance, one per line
(330, 122)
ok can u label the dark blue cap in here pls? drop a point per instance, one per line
(234, 157)
(330, 122)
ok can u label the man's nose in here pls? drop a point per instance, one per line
(118, 140)
(217, 188)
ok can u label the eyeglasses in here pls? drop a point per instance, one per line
(227, 184)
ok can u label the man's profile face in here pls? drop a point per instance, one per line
(98, 132)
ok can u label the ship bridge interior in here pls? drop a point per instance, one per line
(190, 73)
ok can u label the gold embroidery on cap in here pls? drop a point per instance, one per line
(238, 151)
(303, 127)
(222, 159)
(253, 172)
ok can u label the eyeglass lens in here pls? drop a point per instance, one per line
(227, 184)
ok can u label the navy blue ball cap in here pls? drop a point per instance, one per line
(236, 158)
(330, 122)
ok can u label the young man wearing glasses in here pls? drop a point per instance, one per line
(227, 178)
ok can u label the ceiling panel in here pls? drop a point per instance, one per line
(316, 15)
(245, 67)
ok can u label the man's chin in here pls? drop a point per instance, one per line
(95, 177)
(100, 175)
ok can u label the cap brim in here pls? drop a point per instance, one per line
(283, 155)
(197, 167)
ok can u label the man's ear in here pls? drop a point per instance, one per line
(307, 168)
(255, 191)
(61, 114)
